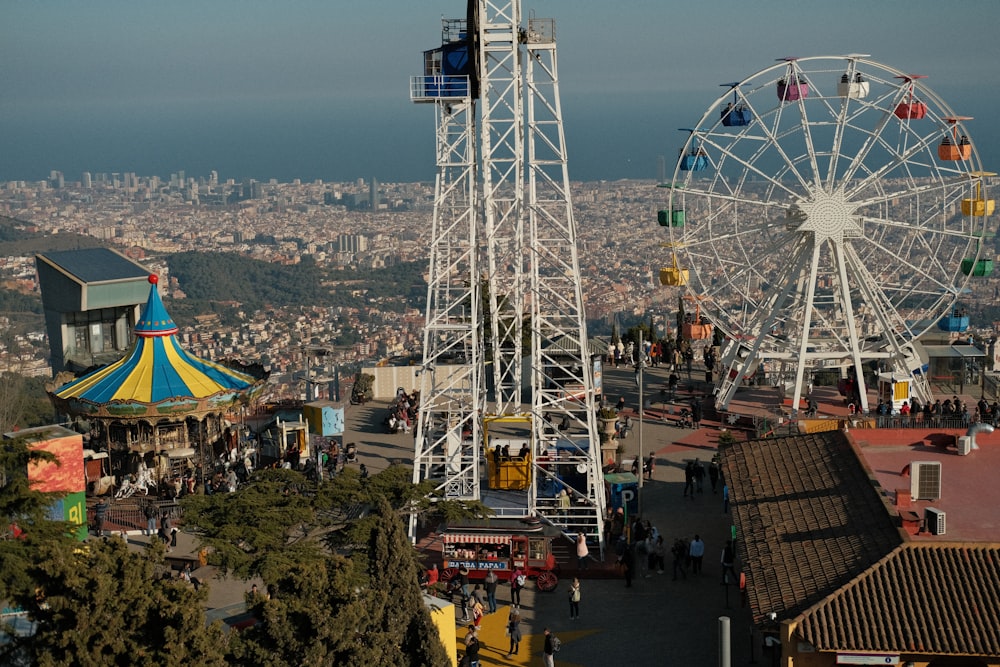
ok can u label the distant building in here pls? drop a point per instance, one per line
(353, 243)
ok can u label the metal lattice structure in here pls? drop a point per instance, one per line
(828, 211)
(527, 304)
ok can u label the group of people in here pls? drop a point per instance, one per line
(403, 411)
(694, 476)
(951, 410)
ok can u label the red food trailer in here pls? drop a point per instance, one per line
(500, 545)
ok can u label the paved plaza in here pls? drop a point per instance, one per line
(658, 621)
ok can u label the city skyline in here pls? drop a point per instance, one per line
(311, 90)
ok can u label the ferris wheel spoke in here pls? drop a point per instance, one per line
(898, 160)
(937, 282)
(914, 192)
(872, 139)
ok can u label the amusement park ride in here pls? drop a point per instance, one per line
(826, 211)
(503, 285)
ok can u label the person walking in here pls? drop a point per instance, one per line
(582, 552)
(472, 646)
(727, 560)
(491, 591)
(514, 632)
(548, 653)
(689, 479)
(713, 472)
(697, 554)
(699, 476)
(517, 581)
(680, 553)
(574, 599)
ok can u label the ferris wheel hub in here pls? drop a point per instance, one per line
(826, 215)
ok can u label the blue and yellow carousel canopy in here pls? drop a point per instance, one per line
(156, 368)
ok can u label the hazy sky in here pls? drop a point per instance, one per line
(353, 59)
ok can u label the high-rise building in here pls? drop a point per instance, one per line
(661, 169)
(87, 181)
(373, 194)
(353, 243)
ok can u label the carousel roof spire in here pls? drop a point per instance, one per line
(154, 320)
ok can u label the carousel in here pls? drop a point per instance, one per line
(154, 416)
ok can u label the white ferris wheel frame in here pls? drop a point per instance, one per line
(826, 233)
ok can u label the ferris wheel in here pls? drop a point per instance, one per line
(826, 211)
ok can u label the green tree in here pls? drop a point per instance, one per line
(101, 604)
(308, 619)
(25, 511)
(261, 528)
(398, 628)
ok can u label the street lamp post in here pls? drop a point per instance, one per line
(642, 363)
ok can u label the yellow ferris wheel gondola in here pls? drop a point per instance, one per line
(673, 276)
(979, 205)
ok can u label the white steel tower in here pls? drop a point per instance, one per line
(535, 324)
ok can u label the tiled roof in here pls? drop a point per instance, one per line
(810, 519)
(922, 598)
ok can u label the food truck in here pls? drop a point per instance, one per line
(501, 546)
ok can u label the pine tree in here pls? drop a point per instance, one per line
(399, 625)
(101, 604)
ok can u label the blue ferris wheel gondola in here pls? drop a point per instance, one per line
(696, 159)
(736, 113)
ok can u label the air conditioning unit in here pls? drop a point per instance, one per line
(964, 445)
(925, 480)
(934, 520)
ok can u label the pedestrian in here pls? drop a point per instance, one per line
(517, 581)
(628, 564)
(728, 558)
(713, 472)
(472, 647)
(660, 551)
(463, 574)
(581, 551)
(466, 605)
(150, 512)
(478, 610)
(699, 476)
(479, 595)
(514, 632)
(564, 503)
(548, 653)
(574, 599)
(650, 465)
(165, 528)
(432, 577)
(491, 591)
(725, 498)
(696, 552)
(100, 513)
(680, 553)
(689, 479)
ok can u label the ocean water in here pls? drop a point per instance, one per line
(610, 136)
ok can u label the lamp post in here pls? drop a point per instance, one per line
(642, 363)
